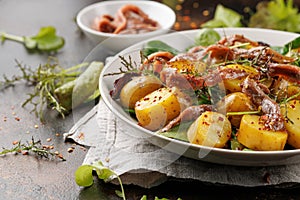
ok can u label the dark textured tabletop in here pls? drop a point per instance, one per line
(28, 177)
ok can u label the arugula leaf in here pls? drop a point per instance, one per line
(46, 40)
(224, 17)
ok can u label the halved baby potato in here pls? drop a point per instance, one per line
(235, 102)
(234, 85)
(284, 89)
(137, 88)
(211, 129)
(253, 135)
(156, 109)
(291, 111)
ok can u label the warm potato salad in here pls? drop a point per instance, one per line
(236, 93)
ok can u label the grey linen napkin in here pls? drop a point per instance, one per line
(144, 164)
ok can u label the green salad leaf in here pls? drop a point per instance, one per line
(294, 44)
(178, 132)
(224, 17)
(277, 14)
(46, 40)
(157, 45)
(206, 37)
(84, 176)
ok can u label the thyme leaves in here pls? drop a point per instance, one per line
(35, 147)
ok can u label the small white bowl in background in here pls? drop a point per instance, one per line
(159, 12)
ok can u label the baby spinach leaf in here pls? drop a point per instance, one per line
(157, 45)
(46, 40)
(206, 37)
(294, 44)
(84, 175)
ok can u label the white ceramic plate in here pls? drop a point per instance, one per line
(182, 40)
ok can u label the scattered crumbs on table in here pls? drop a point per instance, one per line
(48, 146)
(59, 155)
(71, 149)
(15, 142)
(49, 139)
(81, 136)
(17, 118)
(36, 126)
(107, 159)
(57, 134)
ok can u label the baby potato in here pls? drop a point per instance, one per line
(292, 123)
(156, 109)
(210, 129)
(235, 102)
(284, 89)
(253, 135)
(233, 85)
(188, 66)
(137, 88)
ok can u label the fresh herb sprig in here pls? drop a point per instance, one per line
(46, 40)
(35, 147)
(45, 79)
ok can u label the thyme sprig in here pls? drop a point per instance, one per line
(130, 66)
(35, 147)
(45, 79)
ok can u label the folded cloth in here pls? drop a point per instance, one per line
(144, 164)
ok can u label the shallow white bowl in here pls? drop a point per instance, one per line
(164, 15)
(181, 40)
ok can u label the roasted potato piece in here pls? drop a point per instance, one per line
(235, 102)
(253, 135)
(137, 88)
(284, 89)
(156, 109)
(234, 85)
(291, 111)
(210, 129)
(188, 66)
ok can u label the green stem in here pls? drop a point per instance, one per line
(121, 185)
(243, 113)
(6, 36)
(292, 97)
(75, 67)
